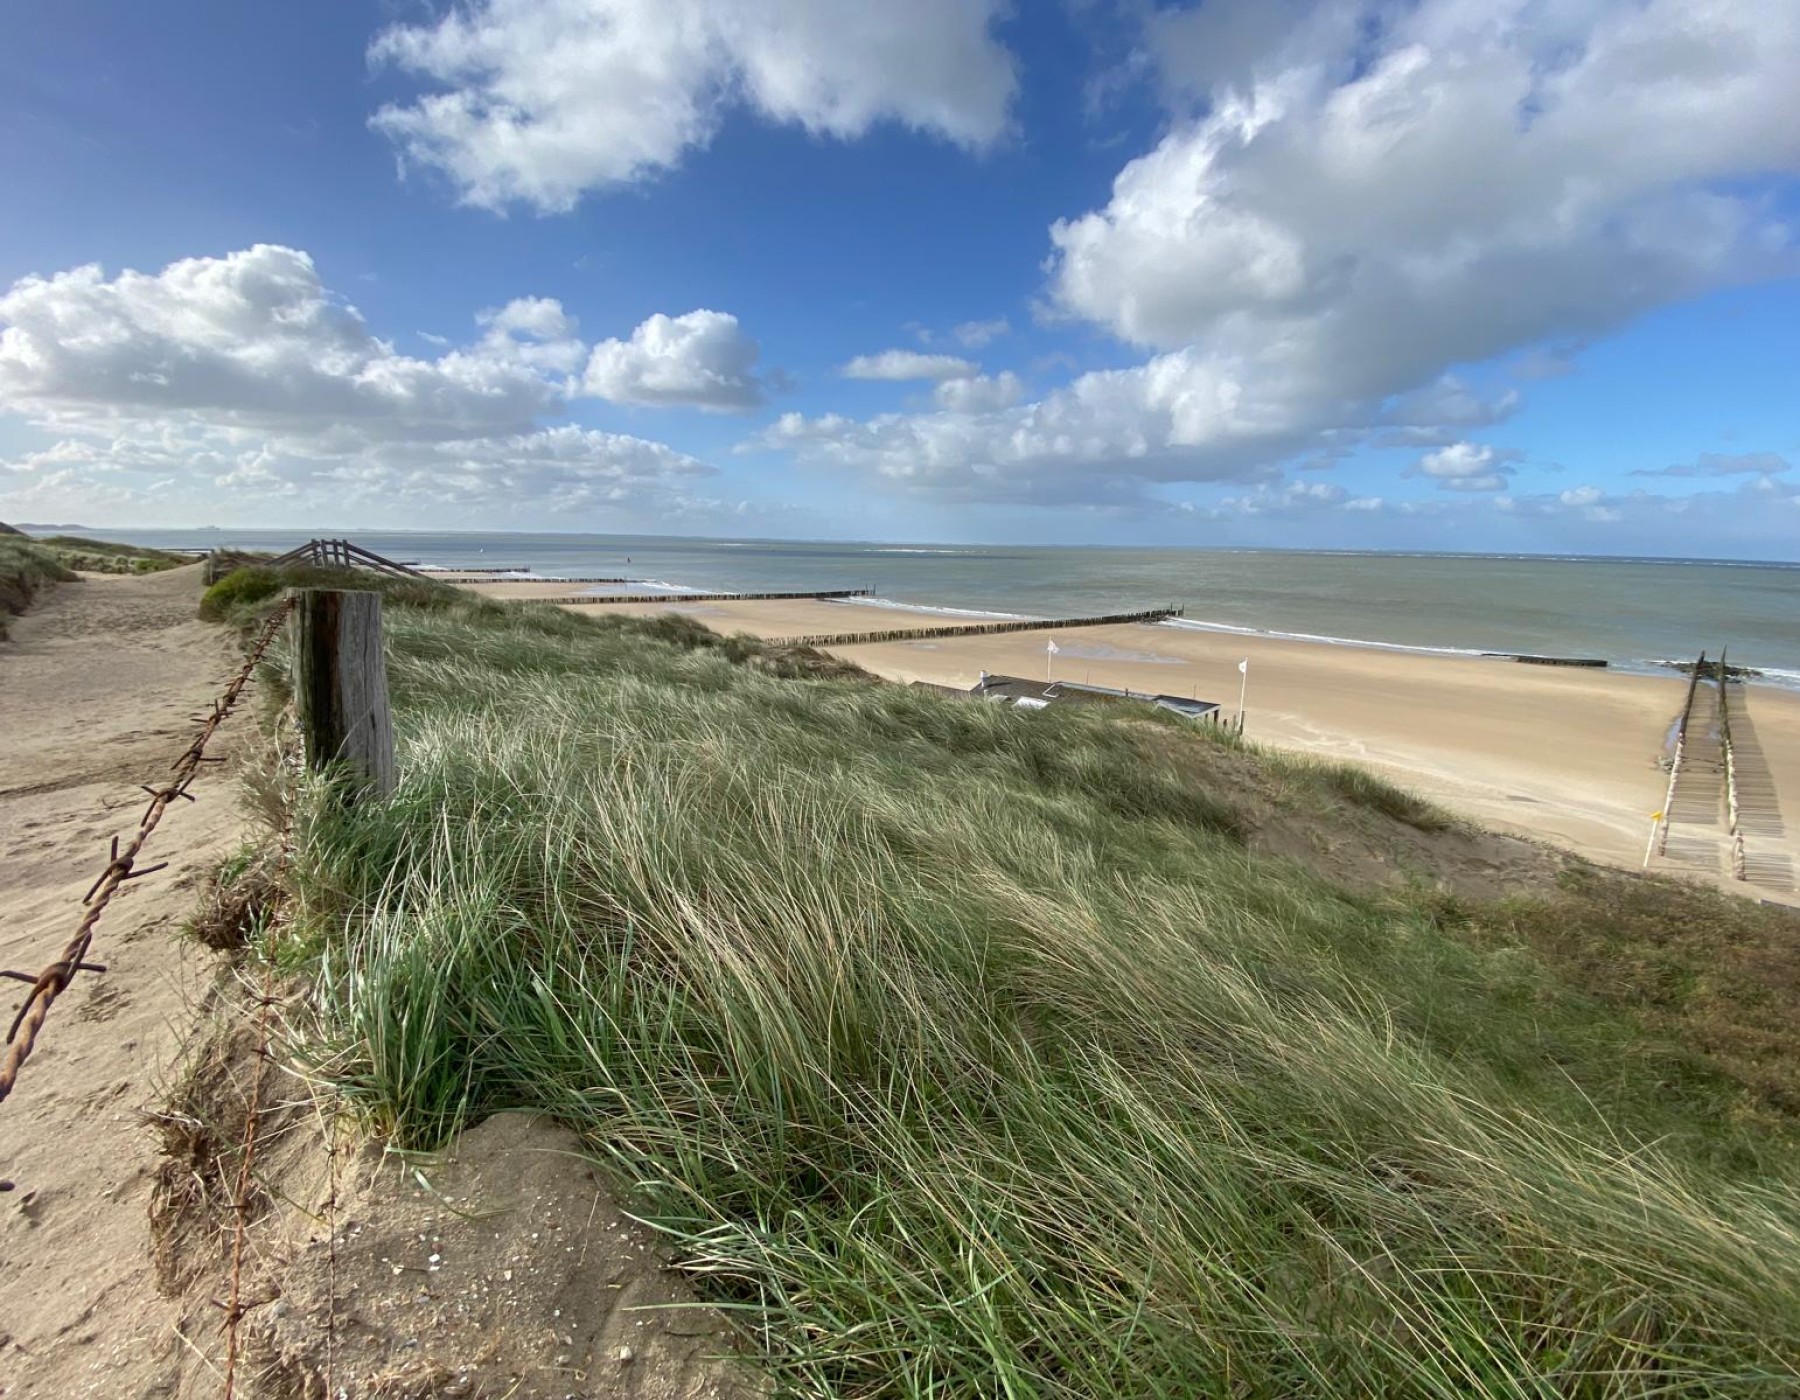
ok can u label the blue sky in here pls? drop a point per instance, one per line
(1459, 274)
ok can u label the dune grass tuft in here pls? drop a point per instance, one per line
(968, 1052)
(110, 557)
(26, 569)
(1366, 789)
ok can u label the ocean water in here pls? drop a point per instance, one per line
(1631, 612)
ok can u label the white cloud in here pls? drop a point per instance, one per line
(701, 359)
(1466, 466)
(254, 339)
(1292, 498)
(980, 392)
(908, 364)
(973, 335)
(1581, 496)
(1356, 204)
(1485, 175)
(541, 101)
(244, 374)
(1099, 439)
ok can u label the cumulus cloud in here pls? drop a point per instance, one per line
(1723, 464)
(701, 359)
(253, 338)
(541, 101)
(1592, 504)
(1102, 438)
(1465, 466)
(980, 393)
(1483, 177)
(246, 374)
(1354, 198)
(908, 364)
(1295, 497)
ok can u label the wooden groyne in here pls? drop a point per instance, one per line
(1731, 773)
(827, 596)
(972, 629)
(1531, 660)
(1692, 800)
(1758, 836)
(477, 576)
(1721, 801)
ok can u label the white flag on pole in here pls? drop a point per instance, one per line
(1052, 647)
(1244, 667)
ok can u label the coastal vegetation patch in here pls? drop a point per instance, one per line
(109, 557)
(963, 1051)
(26, 569)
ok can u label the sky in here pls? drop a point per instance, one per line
(1513, 275)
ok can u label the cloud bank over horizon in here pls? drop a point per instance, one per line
(247, 373)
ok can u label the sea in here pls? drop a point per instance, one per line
(1636, 614)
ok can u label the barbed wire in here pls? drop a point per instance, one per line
(121, 867)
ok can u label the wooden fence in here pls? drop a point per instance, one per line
(341, 554)
(317, 554)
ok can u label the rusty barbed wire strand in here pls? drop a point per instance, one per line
(121, 867)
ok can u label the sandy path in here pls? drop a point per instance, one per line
(96, 688)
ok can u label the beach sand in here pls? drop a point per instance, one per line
(1564, 755)
(97, 687)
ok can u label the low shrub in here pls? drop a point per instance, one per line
(241, 588)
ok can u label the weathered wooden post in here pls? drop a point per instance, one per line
(340, 686)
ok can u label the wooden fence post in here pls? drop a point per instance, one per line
(340, 685)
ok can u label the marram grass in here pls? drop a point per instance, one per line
(969, 1053)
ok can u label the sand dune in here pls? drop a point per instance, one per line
(1568, 756)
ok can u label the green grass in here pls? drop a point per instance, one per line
(107, 557)
(967, 1052)
(26, 569)
(242, 588)
(1365, 789)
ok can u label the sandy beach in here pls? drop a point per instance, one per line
(1565, 755)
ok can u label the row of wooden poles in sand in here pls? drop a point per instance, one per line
(1703, 753)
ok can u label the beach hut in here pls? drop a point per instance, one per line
(1187, 708)
(1035, 695)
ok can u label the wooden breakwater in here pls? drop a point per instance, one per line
(1731, 772)
(1677, 762)
(480, 576)
(1530, 659)
(972, 629)
(827, 596)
